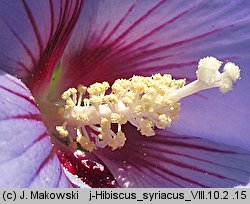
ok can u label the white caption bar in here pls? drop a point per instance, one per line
(135, 195)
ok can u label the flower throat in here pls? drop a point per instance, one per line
(96, 118)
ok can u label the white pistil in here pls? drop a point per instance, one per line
(146, 102)
(208, 77)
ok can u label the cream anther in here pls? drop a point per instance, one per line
(118, 141)
(63, 132)
(81, 89)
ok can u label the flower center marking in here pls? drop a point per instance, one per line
(145, 102)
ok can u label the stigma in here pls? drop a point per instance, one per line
(93, 116)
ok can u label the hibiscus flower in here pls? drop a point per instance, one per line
(50, 46)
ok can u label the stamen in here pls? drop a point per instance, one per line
(82, 90)
(145, 102)
(84, 141)
(63, 132)
(118, 141)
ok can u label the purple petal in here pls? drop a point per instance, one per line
(117, 40)
(169, 160)
(121, 39)
(33, 36)
(27, 158)
(221, 118)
